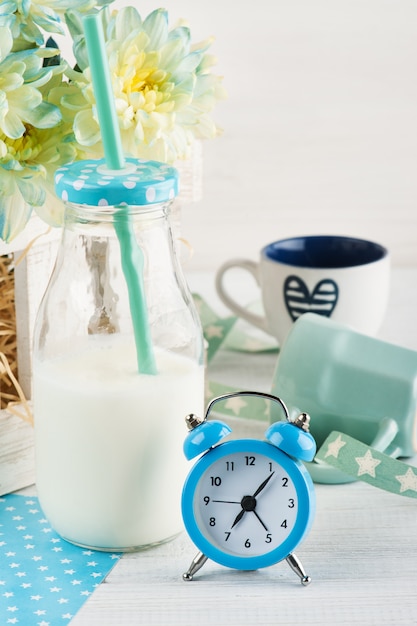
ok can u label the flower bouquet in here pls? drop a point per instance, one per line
(164, 91)
(163, 86)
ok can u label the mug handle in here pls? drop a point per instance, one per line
(251, 267)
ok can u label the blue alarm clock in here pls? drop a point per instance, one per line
(246, 503)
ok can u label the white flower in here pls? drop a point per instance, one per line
(164, 90)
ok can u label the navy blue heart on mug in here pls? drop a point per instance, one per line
(298, 299)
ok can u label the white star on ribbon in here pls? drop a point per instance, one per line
(252, 345)
(213, 331)
(367, 464)
(408, 481)
(209, 391)
(235, 405)
(198, 305)
(334, 447)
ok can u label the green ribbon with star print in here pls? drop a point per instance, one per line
(227, 334)
(350, 456)
(364, 463)
(224, 332)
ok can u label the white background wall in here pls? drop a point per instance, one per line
(320, 126)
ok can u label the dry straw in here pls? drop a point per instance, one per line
(8, 339)
(12, 397)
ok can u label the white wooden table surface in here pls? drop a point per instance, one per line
(361, 552)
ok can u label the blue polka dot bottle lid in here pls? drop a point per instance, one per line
(140, 183)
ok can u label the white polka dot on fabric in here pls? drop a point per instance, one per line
(103, 182)
(129, 184)
(103, 202)
(64, 195)
(171, 194)
(150, 194)
(78, 184)
(58, 178)
(87, 171)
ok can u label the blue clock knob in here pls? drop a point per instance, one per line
(203, 435)
(293, 438)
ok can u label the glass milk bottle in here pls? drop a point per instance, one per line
(108, 437)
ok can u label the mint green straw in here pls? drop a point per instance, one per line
(103, 92)
(131, 254)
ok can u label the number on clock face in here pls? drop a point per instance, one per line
(246, 504)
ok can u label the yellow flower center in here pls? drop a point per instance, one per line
(26, 148)
(140, 74)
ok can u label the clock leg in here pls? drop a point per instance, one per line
(196, 564)
(297, 567)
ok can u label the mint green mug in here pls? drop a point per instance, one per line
(348, 382)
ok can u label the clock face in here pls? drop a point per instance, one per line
(246, 504)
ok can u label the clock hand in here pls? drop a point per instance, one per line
(260, 521)
(226, 501)
(249, 503)
(238, 517)
(263, 485)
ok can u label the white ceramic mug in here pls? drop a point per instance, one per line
(344, 278)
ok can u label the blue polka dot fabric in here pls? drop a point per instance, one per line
(44, 580)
